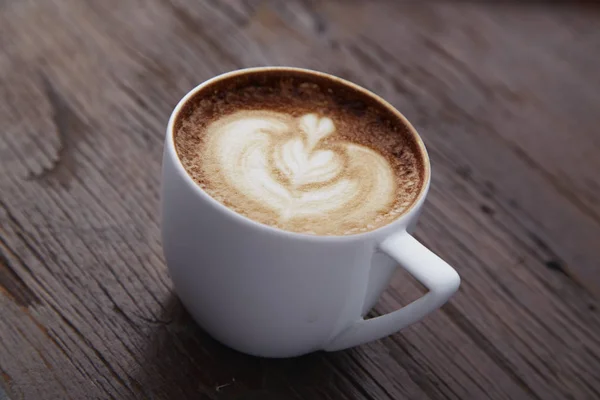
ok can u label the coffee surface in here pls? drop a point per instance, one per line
(300, 152)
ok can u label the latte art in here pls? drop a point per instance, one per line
(288, 167)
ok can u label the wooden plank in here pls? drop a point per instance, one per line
(85, 296)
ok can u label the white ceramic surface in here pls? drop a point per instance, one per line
(273, 293)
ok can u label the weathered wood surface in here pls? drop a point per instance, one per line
(506, 96)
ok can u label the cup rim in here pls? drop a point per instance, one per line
(389, 228)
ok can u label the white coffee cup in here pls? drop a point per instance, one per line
(274, 293)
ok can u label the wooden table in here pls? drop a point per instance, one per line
(506, 97)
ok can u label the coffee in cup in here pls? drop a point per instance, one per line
(300, 151)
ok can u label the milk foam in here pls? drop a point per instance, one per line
(296, 168)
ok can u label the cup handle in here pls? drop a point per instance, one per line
(433, 272)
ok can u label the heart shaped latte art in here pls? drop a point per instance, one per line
(295, 172)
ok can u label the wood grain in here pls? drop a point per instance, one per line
(506, 97)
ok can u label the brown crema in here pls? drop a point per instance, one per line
(300, 151)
